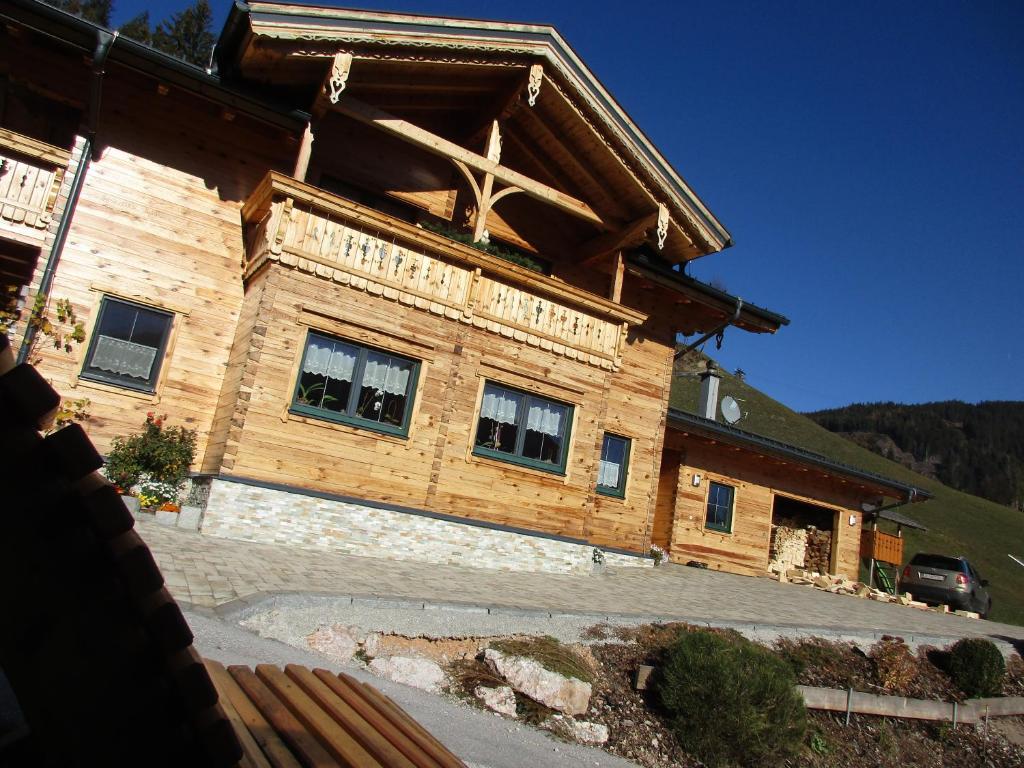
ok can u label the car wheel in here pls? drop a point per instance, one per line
(988, 609)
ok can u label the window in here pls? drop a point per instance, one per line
(356, 385)
(720, 501)
(128, 345)
(611, 473)
(522, 428)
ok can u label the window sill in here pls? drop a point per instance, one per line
(311, 416)
(719, 531)
(527, 465)
(609, 493)
(102, 385)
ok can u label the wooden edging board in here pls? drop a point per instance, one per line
(969, 712)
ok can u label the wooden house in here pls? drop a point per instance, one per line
(416, 282)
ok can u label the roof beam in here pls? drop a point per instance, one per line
(610, 242)
(507, 103)
(438, 145)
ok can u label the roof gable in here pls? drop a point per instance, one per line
(450, 76)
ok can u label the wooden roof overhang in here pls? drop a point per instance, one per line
(707, 305)
(871, 484)
(450, 79)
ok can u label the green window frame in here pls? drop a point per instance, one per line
(523, 428)
(355, 384)
(721, 501)
(613, 467)
(128, 345)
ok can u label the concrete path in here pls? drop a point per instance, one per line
(208, 571)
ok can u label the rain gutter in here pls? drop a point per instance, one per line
(104, 43)
(690, 421)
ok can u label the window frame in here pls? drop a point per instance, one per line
(358, 370)
(618, 492)
(150, 386)
(727, 528)
(517, 458)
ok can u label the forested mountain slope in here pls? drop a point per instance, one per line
(978, 449)
(958, 523)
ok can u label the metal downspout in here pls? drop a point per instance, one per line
(104, 42)
(720, 329)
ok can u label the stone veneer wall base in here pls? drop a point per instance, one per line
(238, 510)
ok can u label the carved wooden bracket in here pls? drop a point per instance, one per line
(341, 66)
(533, 86)
(662, 225)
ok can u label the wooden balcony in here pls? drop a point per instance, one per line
(30, 178)
(300, 226)
(881, 546)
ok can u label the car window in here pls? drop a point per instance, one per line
(938, 561)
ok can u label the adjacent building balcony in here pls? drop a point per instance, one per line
(303, 227)
(31, 173)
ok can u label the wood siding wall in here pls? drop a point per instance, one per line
(434, 468)
(158, 223)
(757, 481)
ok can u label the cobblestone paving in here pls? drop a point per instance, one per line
(208, 571)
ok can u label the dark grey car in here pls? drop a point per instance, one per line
(940, 579)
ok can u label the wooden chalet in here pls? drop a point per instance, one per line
(416, 282)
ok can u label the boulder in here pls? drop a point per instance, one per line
(418, 673)
(588, 733)
(339, 642)
(566, 694)
(580, 731)
(502, 699)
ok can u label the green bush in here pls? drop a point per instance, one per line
(158, 453)
(977, 667)
(731, 702)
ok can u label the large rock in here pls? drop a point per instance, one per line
(339, 642)
(566, 694)
(418, 673)
(502, 699)
(588, 733)
(580, 731)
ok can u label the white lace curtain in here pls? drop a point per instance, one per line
(608, 474)
(386, 374)
(326, 358)
(503, 406)
(125, 358)
(500, 406)
(546, 418)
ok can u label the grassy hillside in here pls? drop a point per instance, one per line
(958, 524)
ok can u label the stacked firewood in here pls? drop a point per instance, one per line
(818, 555)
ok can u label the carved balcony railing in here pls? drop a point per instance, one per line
(301, 226)
(30, 177)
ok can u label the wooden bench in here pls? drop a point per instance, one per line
(301, 717)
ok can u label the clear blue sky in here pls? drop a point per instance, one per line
(868, 159)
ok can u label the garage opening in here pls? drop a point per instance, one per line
(802, 536)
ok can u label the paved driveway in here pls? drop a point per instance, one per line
(209, 571)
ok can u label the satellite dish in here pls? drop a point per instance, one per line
(731, 410)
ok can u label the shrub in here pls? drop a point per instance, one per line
(895, 666)
(977, 667)
(731, 702)
(160, 454)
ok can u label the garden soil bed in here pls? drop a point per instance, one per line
(639, 732)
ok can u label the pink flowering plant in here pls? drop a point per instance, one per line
(159, 455)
